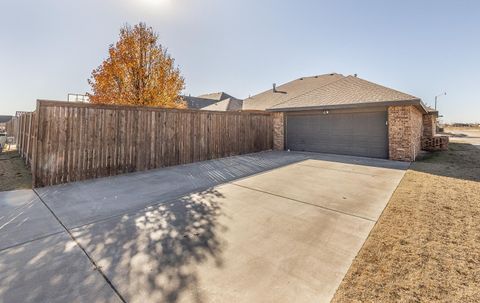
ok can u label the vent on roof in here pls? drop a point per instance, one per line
(274, 87)
(301, 78)
(316, 76)
(332, 74)
(355, 75)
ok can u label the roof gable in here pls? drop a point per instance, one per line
(197, 103)
(230, 104)
(216, 96)
(205, 100)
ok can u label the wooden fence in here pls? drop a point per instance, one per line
(11, 127)
(67, 142)
(24, 131)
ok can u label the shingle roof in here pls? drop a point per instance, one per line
(205, 100)
(216, 96)
(288, 91)
(323, 91)
(230, 104)
(349, 90)
(197, 103)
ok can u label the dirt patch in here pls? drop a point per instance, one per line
(426, 245)
(13, 172)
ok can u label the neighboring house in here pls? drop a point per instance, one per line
(202, 101)
(229, 104)
(339, 114)
(216, 96)
(3, 121)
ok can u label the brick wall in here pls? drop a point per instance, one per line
(278, 131)
(429, 125)
(435, 143)
(405, 129)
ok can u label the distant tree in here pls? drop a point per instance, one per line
(138, 71)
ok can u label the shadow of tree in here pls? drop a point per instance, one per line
(51, 269)
(461, 161)
(155, 254)
(152, 255)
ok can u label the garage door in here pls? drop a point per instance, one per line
(358, 134)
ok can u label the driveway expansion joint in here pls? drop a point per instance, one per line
(96, 267)
(339, 170)
(299, 201)
(32, 240)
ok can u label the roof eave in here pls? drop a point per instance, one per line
(416, 102)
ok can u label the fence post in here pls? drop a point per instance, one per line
(36, 130)
(29, 137)
(95, 144)
(21, 137)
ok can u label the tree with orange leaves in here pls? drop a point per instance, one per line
(138, 71)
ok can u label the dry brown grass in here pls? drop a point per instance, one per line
(13, 172)
(426, 245)
(472, 128)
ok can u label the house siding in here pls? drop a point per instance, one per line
(405, 130)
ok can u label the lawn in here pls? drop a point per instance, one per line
(13, 172)
(426, 245)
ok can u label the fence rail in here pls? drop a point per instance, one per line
(67, 142)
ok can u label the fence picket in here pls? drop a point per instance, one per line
(67, 142)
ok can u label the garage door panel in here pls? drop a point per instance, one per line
(360, 134)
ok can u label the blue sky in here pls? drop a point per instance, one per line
(48, 48)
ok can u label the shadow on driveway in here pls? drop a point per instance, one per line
(159, 247)
(52, 269)
(155, 241)
(81, 203)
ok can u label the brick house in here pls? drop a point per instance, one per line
(340, 114)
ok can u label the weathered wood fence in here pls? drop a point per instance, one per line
(12, 127)
(67, 142)
(23, 129)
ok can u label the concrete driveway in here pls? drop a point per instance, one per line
(266, 227)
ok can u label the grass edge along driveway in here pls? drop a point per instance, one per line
(426, 245)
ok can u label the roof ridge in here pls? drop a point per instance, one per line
(307, 92)
(298, 79)
(316, 76)
(344, 78)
